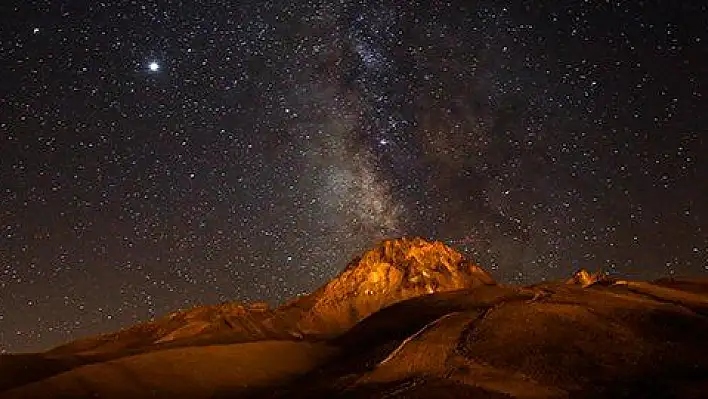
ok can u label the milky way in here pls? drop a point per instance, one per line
(160, 155)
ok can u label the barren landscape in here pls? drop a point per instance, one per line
(409, 318)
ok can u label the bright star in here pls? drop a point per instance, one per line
(154, 66)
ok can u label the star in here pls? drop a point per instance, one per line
(203, 160)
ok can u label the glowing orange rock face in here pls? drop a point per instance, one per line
(393, 271)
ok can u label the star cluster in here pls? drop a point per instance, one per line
(159, 155)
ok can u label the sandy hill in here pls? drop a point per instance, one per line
(409, 318)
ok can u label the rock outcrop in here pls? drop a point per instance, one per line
(393, 271)
(586, 279)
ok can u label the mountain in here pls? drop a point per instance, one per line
(409, 318)
(392, 271)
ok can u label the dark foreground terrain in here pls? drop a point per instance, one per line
(408, 319)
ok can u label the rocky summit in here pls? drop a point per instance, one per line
(409, 318)
(394, 270)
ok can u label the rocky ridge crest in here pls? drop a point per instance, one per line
(393, 271)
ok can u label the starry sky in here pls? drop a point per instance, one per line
(158, 155)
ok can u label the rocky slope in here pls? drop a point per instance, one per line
(632, 339)
(235, 322)
(393, 271)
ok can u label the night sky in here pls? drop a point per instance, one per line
(159, 155)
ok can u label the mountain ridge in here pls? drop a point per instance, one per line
(394, 270)
(408, 318)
